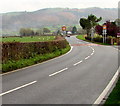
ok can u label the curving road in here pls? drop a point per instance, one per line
(78, 77)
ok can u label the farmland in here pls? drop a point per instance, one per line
(28, 39)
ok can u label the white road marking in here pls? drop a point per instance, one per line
(87, 57)
(69, 51)
(78, 63)
(17, 88)
(92, 53)
(58, 72)
(109, 86)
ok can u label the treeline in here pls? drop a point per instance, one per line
(45, 31)
(31, 32)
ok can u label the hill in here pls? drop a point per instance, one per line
(13, 21)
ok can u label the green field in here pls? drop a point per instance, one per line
(28, 39)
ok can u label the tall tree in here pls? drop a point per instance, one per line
(74, 30)
(90, 22)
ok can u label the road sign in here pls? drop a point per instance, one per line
(118, 34)
(63, 28)
(104, 27)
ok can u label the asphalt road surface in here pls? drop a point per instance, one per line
(78, 77)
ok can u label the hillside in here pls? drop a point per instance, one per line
(52, 16)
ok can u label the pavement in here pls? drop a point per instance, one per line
(79, 77)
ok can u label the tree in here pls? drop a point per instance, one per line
(112, 29)
(39, 32)
(26, 32)
(46, 30)
(22, 32)
(85, 24)
(99, 29)
(90, 22)
(58, 32)
(74, 30)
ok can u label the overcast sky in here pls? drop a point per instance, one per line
(32, 5)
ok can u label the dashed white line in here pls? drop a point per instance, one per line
(58, 72)
(17, 88)
(78, 63)
(87, 57)
(92, 53)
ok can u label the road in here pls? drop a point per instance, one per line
(78, 77)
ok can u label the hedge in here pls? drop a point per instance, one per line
(15, 50)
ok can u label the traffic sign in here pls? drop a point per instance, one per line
(63, 28)
(104, 27)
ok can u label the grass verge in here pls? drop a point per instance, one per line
(114, 97)
(13, 65)
(28, 39)
(82, 37)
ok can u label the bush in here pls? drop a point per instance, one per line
(98, 38)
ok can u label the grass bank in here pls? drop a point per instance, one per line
(114, 97)
(13, 65)
(82, 37)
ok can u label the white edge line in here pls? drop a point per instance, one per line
(78, 63)
(58, 72)
(106, 90)
(17, 88)
(38, 63)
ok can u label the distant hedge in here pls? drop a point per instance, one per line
(16, 50)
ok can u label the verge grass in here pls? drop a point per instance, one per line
(82, 37)
(28, 39)
(13, 65)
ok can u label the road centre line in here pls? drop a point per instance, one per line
(87, 57)
(78, 63)
(58, 72)
(92, 53)
(17, 88)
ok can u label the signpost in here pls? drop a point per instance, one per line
(104, 33)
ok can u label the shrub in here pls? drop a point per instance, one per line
(98, 38)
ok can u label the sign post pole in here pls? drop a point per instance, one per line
(104, 33)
